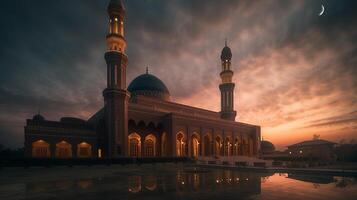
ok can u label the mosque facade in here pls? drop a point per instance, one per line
(141, 120)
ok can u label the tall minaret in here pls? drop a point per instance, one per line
(227, 86)
(116, 95)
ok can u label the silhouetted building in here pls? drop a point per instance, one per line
(318, 149)
(141, 120)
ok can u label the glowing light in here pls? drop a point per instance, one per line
(183, 183)
(290, 152)
(116, 19)
(300, 151)
(217, 181)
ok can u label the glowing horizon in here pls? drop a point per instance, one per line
(295, 72)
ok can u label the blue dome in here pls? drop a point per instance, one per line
(150, 86)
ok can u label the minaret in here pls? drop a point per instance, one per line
(227, 86)
(116, 95)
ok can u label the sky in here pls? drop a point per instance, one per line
(295, 71)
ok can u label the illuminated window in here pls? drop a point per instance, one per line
(84, 150)
(40, 148)
(63, 150)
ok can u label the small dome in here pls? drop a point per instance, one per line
(149, 85)
(226, 53)
(38, 117)
(267, 147)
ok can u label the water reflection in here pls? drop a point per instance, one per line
(193, 183)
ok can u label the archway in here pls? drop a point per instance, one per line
(207, 145)
(163, 144)
(134, 146)
(40, 148)
(195, 142)
(218, 146)
(227, 147)
(150, 145)
(84, 150)
(180, 144)
(63, 150)
(236, 147)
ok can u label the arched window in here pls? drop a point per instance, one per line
(149, 145)
(40, 148)
(63, 150)
(195, 145)
(218, 146)
(84, 150)
(228, 148)
(180, 144)
(134, 145)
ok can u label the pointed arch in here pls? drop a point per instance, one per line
(180, 144)
(218, 145)
(134, 146)
(84, 150)
(63, 150)
(195, 145)
(228, 146)
(41, 148)
(150, 145)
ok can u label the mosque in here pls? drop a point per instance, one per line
(141, 120)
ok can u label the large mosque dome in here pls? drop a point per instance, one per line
(150, 86)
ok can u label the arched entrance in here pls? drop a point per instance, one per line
(134, 146)
(227, 147)
(180, 144)
(63, 150)
(236, 147)
(40, 148)
(150, 145)
(195, 146)
(207, 145)
(84, 150)
(218, 146)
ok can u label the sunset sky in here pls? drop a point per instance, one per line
(295, 71)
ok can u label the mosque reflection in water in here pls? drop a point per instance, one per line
(193, 183)
(184, 181)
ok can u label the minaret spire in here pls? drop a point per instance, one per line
(116, 96)
(227, 86)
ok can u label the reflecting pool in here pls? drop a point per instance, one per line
(168, 182)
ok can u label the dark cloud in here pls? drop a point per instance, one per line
(290, 65)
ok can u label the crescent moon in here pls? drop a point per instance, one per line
(322, 10)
